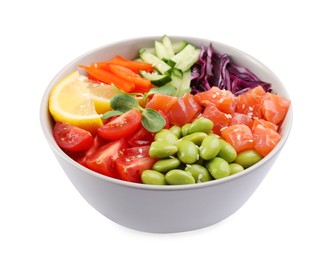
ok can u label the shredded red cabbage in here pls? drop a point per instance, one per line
(214, 69)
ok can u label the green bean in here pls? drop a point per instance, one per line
(248, 158)
(201, 124)
(210, 147)
(166, 165)
(187, 151)
(218, 168)
(153, 177)
(179, 177)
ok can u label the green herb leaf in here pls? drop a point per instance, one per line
(152, 120)
(109, 114)
(165, 90)
(123, 102)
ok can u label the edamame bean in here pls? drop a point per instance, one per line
(196, 138)
(184, 129)
(187, 151)
(176, 130)
(227, 151)
(160, 149)
(248, 158)
(166, 165)
(199, 172)
(235, 168)
(218, 168)
(201, 124)
(210, 147)
(166, 136)
(153, 177)
(179, 177)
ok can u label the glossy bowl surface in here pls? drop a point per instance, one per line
(169, 208)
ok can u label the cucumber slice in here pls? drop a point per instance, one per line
(185, 84)
(186, 57)
(160, 65)
(182, 84)
(178, 46)
(178, 73)
(149, 49)
(168, 47)
(161, 52)
(155, 78)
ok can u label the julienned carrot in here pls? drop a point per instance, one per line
(135, 66)
(141, 84)
(109, 78)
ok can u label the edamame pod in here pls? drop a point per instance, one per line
(210, 147)
(179, 177)
(187, 151)
(218, 168)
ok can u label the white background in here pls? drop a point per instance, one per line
(290, 216)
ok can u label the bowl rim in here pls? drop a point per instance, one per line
(56, 149)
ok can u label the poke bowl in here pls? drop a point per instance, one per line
(136, 203)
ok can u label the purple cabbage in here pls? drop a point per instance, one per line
(214, 69)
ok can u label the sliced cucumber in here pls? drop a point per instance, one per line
(185, 84)
(178, 46)
(160, 65)
(186, 57)
(168, 47)
(172, 62)
(155, 78)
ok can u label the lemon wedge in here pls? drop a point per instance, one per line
(101, 94)
(71, 102)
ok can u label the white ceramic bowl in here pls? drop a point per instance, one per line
(168, 208)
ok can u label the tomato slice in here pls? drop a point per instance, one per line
(122, 126)
(219, 118)
(239, 136)
(184, 110)
(265, 139)
(102, 159)
(274, 108)
(134, 161)
(72, 138)
(141, 137)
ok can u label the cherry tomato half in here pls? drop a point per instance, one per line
(121, 126)
(72, 138)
